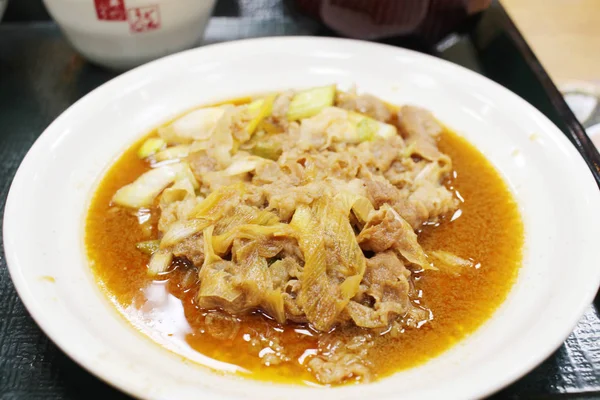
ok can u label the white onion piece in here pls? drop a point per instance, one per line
(450, 263)
(159, 262)
(186, 174)
(172, 153)
(334, 124)
(195, 125)
(244, 165)
(143, 191)
(179, 191)
(181, 230)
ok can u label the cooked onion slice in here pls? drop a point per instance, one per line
(259, 110)
(180, 230)
(368, 128)
(159, 262)
(196, 125)
(450, 263)
(320, 228)
(334, 124)
(143, 191)
(245, 164)
(173, 153)
(150, 146)
(310, 102)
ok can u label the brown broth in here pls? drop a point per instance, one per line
(489, 231)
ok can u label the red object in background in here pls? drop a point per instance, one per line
(111, 10)
(377, 19)
(143, 19)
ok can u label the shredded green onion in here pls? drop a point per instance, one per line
(267, 149)
(259, 109)
(150, 146)
(148, 247)
(310, 102)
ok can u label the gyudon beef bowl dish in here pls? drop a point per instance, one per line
(293, 218)
(312, 235)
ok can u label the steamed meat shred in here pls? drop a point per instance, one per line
(342, 360)
(385, 285)
(364, 103)
(312, 220)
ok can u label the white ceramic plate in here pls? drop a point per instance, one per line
(559, 201)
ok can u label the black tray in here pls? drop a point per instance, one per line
(40, 76)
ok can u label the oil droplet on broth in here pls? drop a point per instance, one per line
(162, 317)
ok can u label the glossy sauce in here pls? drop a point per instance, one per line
(486, 229)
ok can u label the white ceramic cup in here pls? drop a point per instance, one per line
(122, 34)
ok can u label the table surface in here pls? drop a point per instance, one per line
(41, 76)
(554, 28)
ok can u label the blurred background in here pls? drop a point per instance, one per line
(553, 28)
(557, 28)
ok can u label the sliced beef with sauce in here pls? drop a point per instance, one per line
(308, 214)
